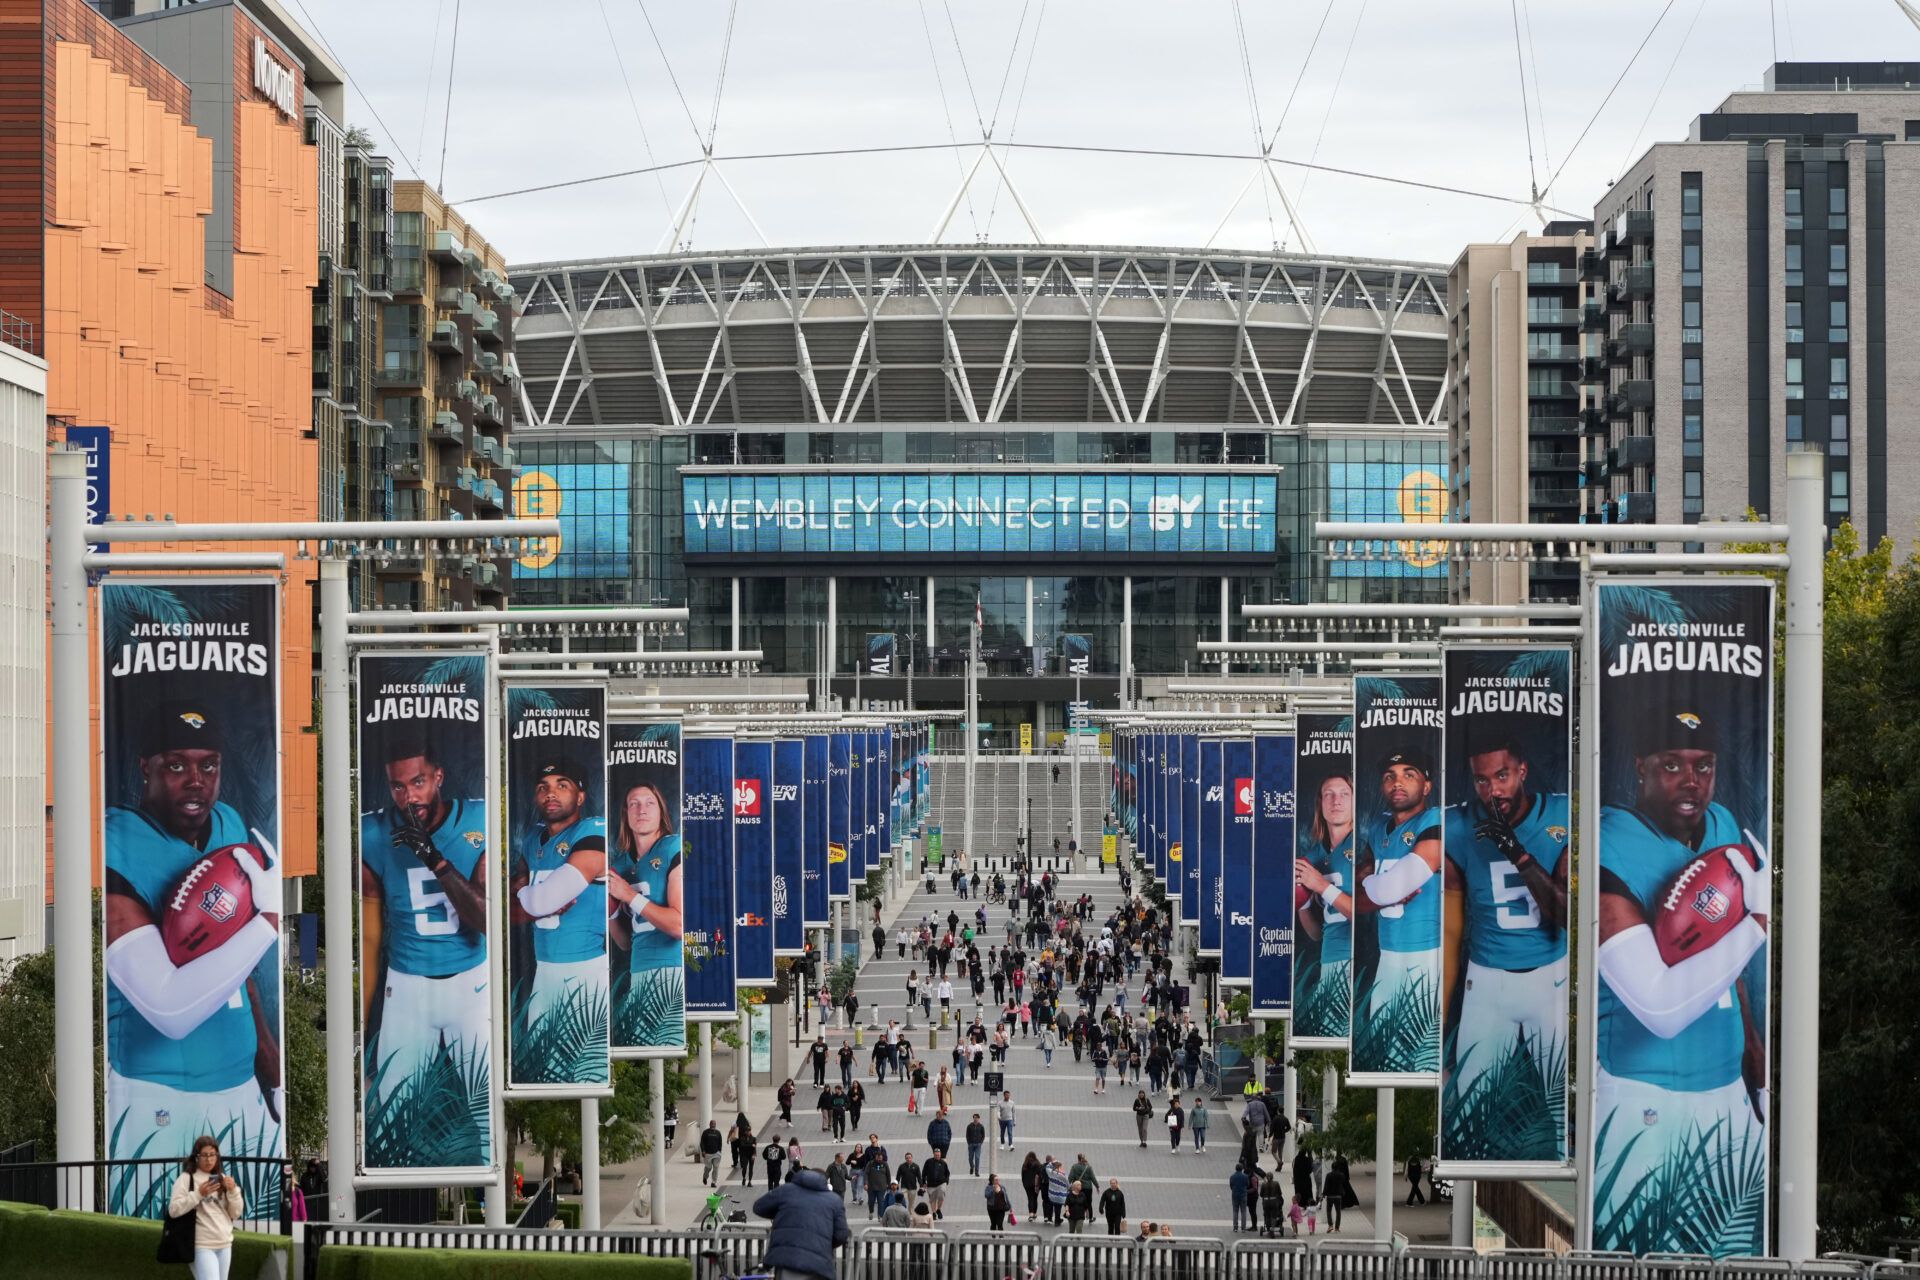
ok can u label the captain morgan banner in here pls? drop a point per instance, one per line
(706, 860)
(646, 881)
(190, 735)
(1678, 1142)
(1396, 862)
(427, 863)
(557, 978)
(1507, 841)
(1323, 873)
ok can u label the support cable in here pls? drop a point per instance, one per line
(947, 111)
(646, 142)
(1019, 100)
(1591, 120)
(446, 122)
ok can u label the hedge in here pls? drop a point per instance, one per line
(566, 1211)
(358, 1262)
(65, 1242)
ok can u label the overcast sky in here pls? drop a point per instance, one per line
(1431, 92)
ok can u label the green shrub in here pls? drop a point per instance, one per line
(356, 1262)
(64, 1243)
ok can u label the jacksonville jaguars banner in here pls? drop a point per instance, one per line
(752, 862)
(646, 883)
(1678, 1144)
(558, 984)
(427, 863)
(1395, 903)
(813, 807)
(839, 815)
(706, 860)
(1212, 814)
(882, 653)
(789, 837)
(1236, 862)
(1271, 895)
(1323, 879)
(1506, 838)
(190, 758)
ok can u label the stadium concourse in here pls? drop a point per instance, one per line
(1057, 1114)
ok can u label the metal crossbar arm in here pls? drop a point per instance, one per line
(1340, 611)
(1700, 560)
(1247, 690)
(1407, 531)
(1380, 664)
(323, 531)
(185, 560)
(670, 699)
(629, 657)
(1315, 646)
(1510, 633)
(509, 617)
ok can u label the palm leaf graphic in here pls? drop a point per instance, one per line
(1327, 1008)
(1707, 1195)
(566, 1044)
(454, 668)
(522, 698)
(1515, 1110)
(439, 1116)
(1404, 1034)
(1625, 604)
(1380, 688)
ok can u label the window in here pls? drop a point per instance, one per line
(1689, 202)
(1689, 264)
(1793, 208)
(1796, 378)
(1692, 483)
(1837, 320)
(1794, 276)
(1796, 428)
(1690, 436)
(1837, 263)
(1796, 332)
(1837, 492)
(1837, 378)
(1837, 435)
(1837, 208)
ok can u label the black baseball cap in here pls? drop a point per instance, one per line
(566, 766)
(181, 725)
(1407, 755)
(1677, 727)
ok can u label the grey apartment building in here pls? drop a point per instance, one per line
(1759, 289)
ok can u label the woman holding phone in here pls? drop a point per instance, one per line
(205, 1191)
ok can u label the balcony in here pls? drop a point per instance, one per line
(1550, 273)
(1553, 425)
(1593, 421)
(447, 249)
(488, 411)
(1636, 282)
(447, 429)
(407, 276)
(403, 375)
(486, 576)
(487, 495)
(1551, 351)
(1593, 472)
(1632, 340)
(1636, 226)
(1552, 389)
(1539, 316)
(1633, 396)
(486, 325)
(1592, 369)
(1553, 499)
(446, 338)
(1634, 451)
(1636, 508)
(1593, 266)
(1593, 318)
(408, 471)
(487, 447)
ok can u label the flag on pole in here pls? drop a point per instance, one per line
(979, 620)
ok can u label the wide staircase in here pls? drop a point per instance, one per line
(998, 815)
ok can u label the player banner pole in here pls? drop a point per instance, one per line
(336, 762)
(69, 656)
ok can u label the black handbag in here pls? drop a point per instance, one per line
(176, 1238)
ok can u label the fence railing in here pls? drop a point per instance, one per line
(139, 1188)
(883, 1254)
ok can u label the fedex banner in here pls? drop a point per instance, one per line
(752, 863)
(924, 513)
(1207, 842)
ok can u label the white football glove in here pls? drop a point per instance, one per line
(263, 880)
(641, 897)
(1756, 881)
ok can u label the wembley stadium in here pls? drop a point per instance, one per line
(764, 433)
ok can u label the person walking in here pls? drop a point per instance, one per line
(785, 1097)
(934, 1177)
(998, 1205)
(1079, 1205)
(1046, 1044)
(1057, 1187)
(1142, 1113)
(917, 1094)
(838, 1175)
(845, 1057)
(1006, 1119)
(1082, 1172)
(711, 1145)
(1033, 1181)
(1100, 1060)
(808, 1221)
(204, 1190)
(1113, 1207)
(1337, 1189)
(1303, 1190)
(940, 1133)
(879, 1175)
(1273, 1205)
(1176, 1119)
(856, 1099)
(1198, 1120)
(976, 1136)
(1238, 1186)
(775, 1155)
(818, 1056)
(1414, 1170)
(744, 1148)
(839, 1113)
(943, 1092)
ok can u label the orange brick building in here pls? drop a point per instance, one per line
(103, 244)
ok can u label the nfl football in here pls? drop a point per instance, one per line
(1301, 895)
(212, 902)
(1702, 905)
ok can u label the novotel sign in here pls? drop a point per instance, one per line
(274, 81)
(805, 515)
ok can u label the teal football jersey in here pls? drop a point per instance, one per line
(218, 1054)
(1642, 859)
(652, 949)
(1504, 928)
(1413, 925)
(1336, 933)
(579, 932)
(423, 933)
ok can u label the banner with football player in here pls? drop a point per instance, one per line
(1272, 895)
(1395, 901)
(190, 757)
(646, 885)
(426, 849)
(789, 837)
(1323, 876)
(1508, 854)
(1212, 813)
(1678, 1143)
(557, 976)
(752, 862)
(706, 860)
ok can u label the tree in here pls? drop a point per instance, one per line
(27, 1106)
(303, 1060)
(553, 1127)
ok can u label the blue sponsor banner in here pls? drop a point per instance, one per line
(706, 878)
(1191, 828)
(813, 847)
(860, 858)
(1212, 806)
(1236, 861)
(1172, 822)
(753, 863)
(1023, 515)
(789, 845)
(883, 775)
(97, 442)
(839, 815)
(595, 510)
(1388, 491)
(1272, 894)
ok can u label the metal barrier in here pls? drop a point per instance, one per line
(139, 1188)
(1522, 1264)
(1600, 1265)
(995, 1255)
(1676, 1266)
(1186, 1258)
(1072, 1257)
(897, 1253)
(740, 1246)
(1442, 1262)
(1269, 1260)
(1355, 1260)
